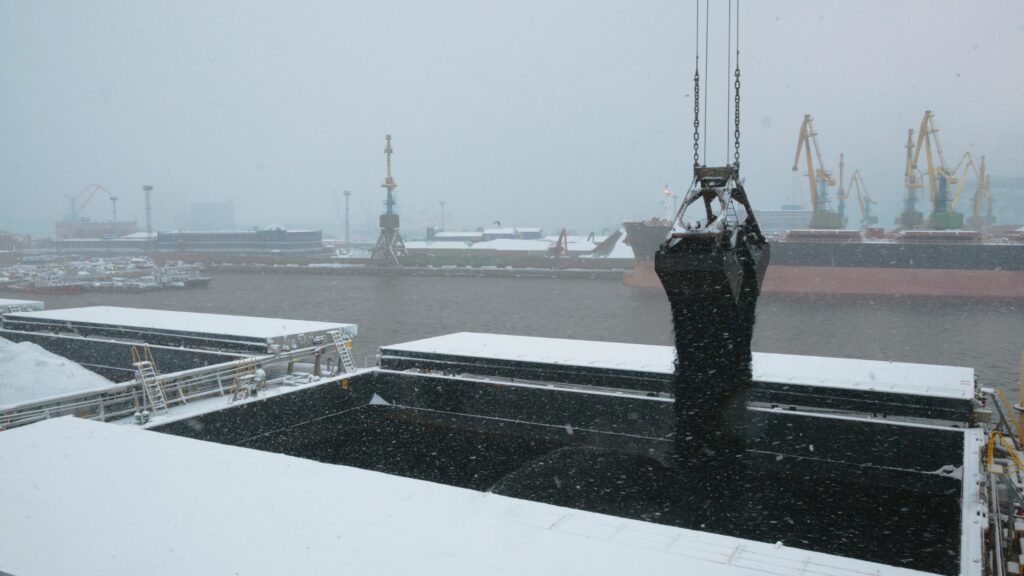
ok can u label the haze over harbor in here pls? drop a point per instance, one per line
(569, 114)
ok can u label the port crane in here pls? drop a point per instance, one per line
(843, 193)
(867, 216)
(939, 175)
(911, 217)
(982, 197)
(982, 194)
(81, 200)
(819, 179)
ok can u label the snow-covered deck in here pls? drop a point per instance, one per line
(174, 321)
(7, 304)
(29, 373)
(73, 502)
(949, 382)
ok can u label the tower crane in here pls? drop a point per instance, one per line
(818, 178)
(867, 216)
(939, 175)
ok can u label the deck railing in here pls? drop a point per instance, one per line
(124, 400)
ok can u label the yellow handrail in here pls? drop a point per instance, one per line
(1011, 416)
(146, 355)
(1007, 445)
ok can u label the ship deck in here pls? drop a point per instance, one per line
(221, 331)
(838, 462)
(214, 509)
(891, 388)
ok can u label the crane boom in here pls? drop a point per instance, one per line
(924, 142)
(842, 195)
(818, 177)
(967, 161)
(940, 176)
(927, 135)
(867, 218)
(803, 144)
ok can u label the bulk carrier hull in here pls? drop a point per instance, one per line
(888, 267)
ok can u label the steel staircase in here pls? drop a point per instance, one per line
(146, 376)
(241, 384)
(343, 344)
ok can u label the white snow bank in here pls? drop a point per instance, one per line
(28, 372)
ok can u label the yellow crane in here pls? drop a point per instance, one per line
(983, 193)
(939, 175)
(911, 217)
(982, 196)
(867, 216)
(818, 178)
(969, 166)
(843, 194)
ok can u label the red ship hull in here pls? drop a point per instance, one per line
(824, 280)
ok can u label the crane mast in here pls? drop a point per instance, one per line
(867, 216)
(982, 196)
(843, 193)
(818, 178)
(943, 216)
(911, 217)
(967, 161)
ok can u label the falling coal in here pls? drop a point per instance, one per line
(712, 272)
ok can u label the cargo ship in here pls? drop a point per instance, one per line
(959, 263)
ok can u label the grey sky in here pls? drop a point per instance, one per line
(551, 113)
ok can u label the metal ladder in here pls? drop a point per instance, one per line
(242, 382)
(145, 374)
(344, 345)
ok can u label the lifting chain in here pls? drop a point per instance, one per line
(736, 117)
(736, 99)
(696, 117)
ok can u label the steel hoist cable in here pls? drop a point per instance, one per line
(736, 90)
(696, 91)
(699, 154)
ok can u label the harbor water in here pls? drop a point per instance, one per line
(985, 334)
